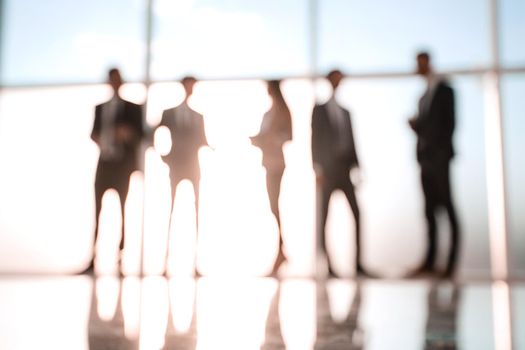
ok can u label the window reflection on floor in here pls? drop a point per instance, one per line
(255, 313)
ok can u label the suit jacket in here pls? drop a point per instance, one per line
(128, 114)
(186, 138)
(325, 141)
(434, 124)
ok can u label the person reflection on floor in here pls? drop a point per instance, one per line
(338, 334)
(107, 323)
(273, 338)
(338, 329)
(276, 130)
(443, 301)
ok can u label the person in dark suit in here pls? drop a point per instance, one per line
(434, 126)
(276, 129)
(187, 137)
(334, 155)
(117, 130)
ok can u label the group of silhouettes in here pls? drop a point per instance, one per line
(118, 131)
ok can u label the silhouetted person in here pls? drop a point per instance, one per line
(187, 137)
(334, 155)
(117, 130)
(276, 129)
(434, 126)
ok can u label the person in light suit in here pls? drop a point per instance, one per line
(187, 131)
(434, 126)
(334, 155)
(117, 131)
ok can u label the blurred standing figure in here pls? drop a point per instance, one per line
(334, 155)
(276, 129)
(434, 126)
(117, 130)
(186, 127)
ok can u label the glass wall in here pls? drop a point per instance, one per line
(233, 38)
(371, 36)
(511, 31)
(513, 87)
(48, 161)
(61, 41)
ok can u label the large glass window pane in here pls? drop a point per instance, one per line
(513, 87)
(230, 38)
(469, 175)
(47, 180)
(71, 41)
(384, 35)
(512, 31)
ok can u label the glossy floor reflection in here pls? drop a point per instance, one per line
(109, 312)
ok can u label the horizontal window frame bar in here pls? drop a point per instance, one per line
(360, 76)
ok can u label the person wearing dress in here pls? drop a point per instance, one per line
(276, 130)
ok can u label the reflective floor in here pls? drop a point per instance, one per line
(109, 312)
